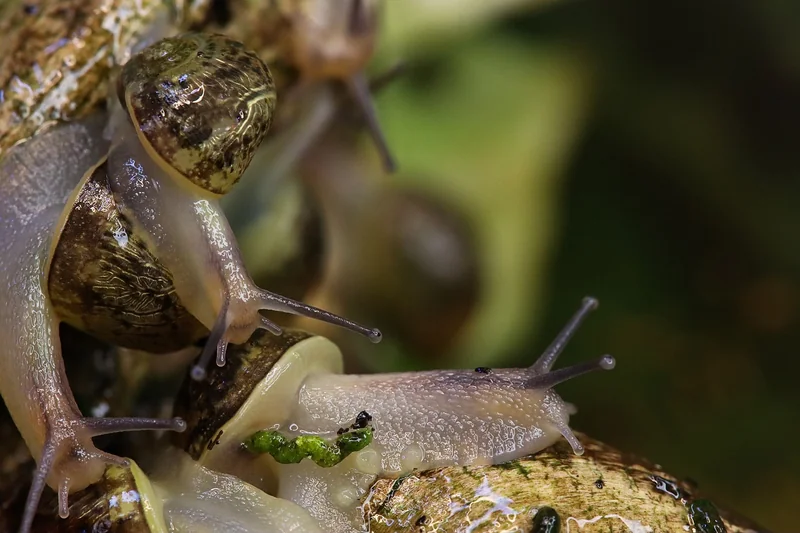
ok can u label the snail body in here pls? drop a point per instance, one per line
(421, 420)
(103, 279)
(181, 139)
(313, 42)
(177, 496)
(38, 178)
(178, 232)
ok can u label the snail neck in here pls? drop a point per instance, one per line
(172, 219)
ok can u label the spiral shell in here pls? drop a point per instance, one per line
(201, 105)
(103, 279)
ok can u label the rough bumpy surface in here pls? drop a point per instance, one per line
(437, 418)
(602, 491)
(57, 56)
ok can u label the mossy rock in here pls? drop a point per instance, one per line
(603, 490)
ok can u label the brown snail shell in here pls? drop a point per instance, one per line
(201, 105)
(103, 279)
(116, 503)
(208, 405)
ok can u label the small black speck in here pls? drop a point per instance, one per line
(483, 370)
(215, 442)
(362, 419)
(599, 483)
(421, 521)
(30, 9)
(200, 53)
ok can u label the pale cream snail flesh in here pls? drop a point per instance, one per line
(181, 223)
(421, 420)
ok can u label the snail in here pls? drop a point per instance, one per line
(293, 385)
(168, 225)
(332, 41)
(317, 41)
(189, 127)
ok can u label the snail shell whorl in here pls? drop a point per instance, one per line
(208, 405)
(103, 279)
(201, 104)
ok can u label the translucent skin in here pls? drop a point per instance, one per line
(37, 179)
(196, 500)
(335, 40)
(453, 417)
(421, 420)
(332, 39)
(192, 237)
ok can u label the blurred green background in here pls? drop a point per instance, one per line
(640, 152)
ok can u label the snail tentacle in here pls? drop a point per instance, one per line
(108, 425)
(550, 355)
(63, 498)
(555, 377)
(238, 320)
(269, 301)
(37, 486)
(158, 167)
(359, 89)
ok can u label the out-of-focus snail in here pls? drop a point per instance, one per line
(165, 225)
(318, 40)
(293, 384)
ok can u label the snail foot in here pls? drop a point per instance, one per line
(70, 461)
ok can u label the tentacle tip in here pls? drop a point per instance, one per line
(579, 449)
(116, 461)
(375, 336)
(591, 303)
(198, 373)
(178, 424)
(607, 362)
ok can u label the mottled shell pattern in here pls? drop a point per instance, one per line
(201, 104)
(104, 280)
